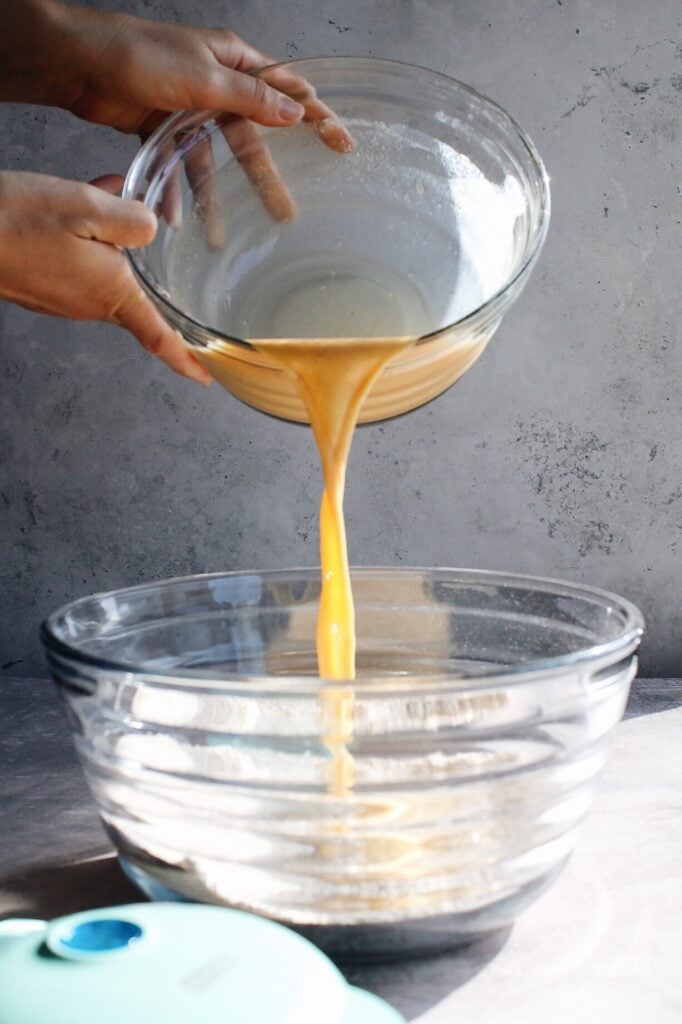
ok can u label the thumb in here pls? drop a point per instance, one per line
(123, 222)
(112, 183)
(139, 316)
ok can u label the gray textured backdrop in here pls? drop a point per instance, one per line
(559, 453)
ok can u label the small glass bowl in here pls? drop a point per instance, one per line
(483, 709)
(427, 228)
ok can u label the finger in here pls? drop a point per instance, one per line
(322, 118)
(106, 218)
(171, 199)
(111, 183)
(233, 52)
(253, 155)
(200, 169)
(137, 314)
(331, 131)
(227, 89)
(169, 205)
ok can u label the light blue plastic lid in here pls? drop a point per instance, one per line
(176, 963)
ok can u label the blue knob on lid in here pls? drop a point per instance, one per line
(91, 938)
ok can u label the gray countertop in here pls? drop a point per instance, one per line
(601, 946)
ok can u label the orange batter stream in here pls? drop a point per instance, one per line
(333, 376)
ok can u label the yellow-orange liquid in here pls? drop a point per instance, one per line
(413, 377)
(325, 381)
(332, 377)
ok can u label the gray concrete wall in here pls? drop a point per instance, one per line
(559, 453)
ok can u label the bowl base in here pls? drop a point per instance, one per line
(376, 942)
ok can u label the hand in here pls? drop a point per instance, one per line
(59, 254)
(128, 72)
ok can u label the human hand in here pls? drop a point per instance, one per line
(60, 254)
(129, 72)
(145, 69)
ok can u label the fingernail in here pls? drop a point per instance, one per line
(334, 134)
(174, 217)
(289, 109)
(199, 374)
(201, 378)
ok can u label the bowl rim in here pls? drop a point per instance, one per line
(251, 684)
(532, 251)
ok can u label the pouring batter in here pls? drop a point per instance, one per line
(333, 377)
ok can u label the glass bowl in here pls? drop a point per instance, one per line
(484, 705)
(421, 217)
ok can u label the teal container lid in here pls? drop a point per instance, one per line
(172, 962)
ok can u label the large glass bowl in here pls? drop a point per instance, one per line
(428, 228)
(484, 705)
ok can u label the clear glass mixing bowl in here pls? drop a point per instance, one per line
(484, 705)
(427, 228)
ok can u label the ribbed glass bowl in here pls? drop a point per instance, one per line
(484, 705)
(426, 226)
